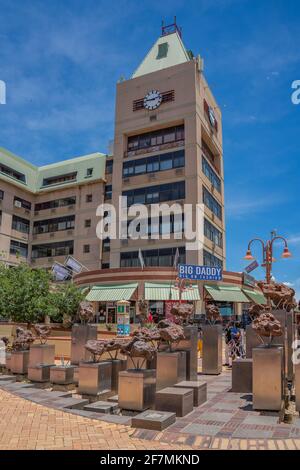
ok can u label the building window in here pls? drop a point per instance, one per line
(159, 257)
(109, 167)
(108, 192)
(1, 195)
(212, 233)
(49, 250)
(162, 162)
(11, 173)
(87, 223)
(18, 202)
(89, 172)
(89, 198)
(211, 260)
(105, 266)
(106, 245)
(162, 50)
(67, 201)
(212, 204)
(156, 194)
(61, 179)
(162, 226)
(54, 225)
(86, 248)
(0, 217)
(19, 224)
(18, 249)
(211, 175)
(154, 138)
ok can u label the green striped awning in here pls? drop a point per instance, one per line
(111, 293)
(226, 293)
(155, 291)
(255, 296)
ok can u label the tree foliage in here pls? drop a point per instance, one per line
(27, 295)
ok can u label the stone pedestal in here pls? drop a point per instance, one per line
(39, 373)
(94, 378)
(242, 376)
(171, 368)
(199, 389)
(297, 386)
(153, 420)
(117, 366)
(268, 378)
(190, 346)
(19, 362)
(212, 349)
(137, 389)
(41, 354)
(252, 341)
(80, 335)
(60, 375)
(175, 400)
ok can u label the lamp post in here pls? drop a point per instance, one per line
(267, 250)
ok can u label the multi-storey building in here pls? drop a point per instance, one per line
(167, 149)
(47, 213)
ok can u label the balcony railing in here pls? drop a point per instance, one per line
(154, 148)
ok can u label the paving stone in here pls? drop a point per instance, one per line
(214, 416)
(244, 432)
(114, 398)
(7, 378)
(261, 420)
(202, 429)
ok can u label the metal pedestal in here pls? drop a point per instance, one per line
(176, 400)
(117, 366)
(137, 389)
(252, 341)
(290, 329)
(212, 349)
(39, 373)
(242, 375)
(199, 389)
(268, 378)
(62, 375)
(190, 346)
(80, 335)
(94, 378)
(41, 354)
(171, 368)
(19, 362)
(297, 386)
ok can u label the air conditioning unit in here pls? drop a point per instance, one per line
(18, 204)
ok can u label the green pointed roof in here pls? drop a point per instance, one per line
(167, 51)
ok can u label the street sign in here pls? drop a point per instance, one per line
(251, 267)
(248, 280)
(199, 273)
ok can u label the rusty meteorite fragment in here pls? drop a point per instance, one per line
(282, 296)
(138, 348)
(42, 331)
(266, 325)
(212, 313)
(23, 340)
(255, 310)
(5, 340)
(96, 347)
(86, 312)
(147, 334)
(182, 312)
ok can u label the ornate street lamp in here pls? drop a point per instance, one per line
(267, 248)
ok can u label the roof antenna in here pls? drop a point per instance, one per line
(171, 28)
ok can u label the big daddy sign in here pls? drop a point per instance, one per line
(199, 273)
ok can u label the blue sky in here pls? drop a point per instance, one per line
(61, 59)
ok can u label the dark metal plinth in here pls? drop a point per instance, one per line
(104, 407)
(41, 354)
(212, 349)
(190, 346)
(268, 378)
(19, 362)
(39, 373)
(62, 375)
(242, 375)
(252, 341)
(137, 389)
(174, 399)
(155, 420)
(171, 368)
(80, 335)
(199, 390)
(94, 378)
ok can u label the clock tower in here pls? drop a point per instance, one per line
(168, 148)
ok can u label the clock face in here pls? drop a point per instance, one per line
(212, 117)
(152, 100)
